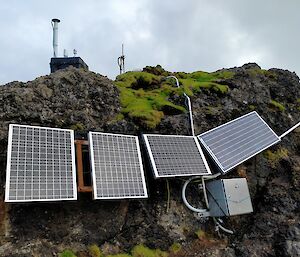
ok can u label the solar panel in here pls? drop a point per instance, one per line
(116, 166)
(40, 164)
(173, 155)
(238, 140)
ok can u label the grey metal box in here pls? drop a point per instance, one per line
(228, 197)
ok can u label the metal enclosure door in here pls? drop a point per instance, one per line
(238, 196)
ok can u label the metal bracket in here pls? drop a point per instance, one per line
(205, 214)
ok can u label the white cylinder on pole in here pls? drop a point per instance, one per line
(55, 36)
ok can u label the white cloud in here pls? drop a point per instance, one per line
(179, 35)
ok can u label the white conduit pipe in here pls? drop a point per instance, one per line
(197, 210)
(188, 104)
(221, 227)
(188, 205)
(290, 130)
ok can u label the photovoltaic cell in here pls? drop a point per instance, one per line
(173, 155)
(40, 164)
(238, 140)
(117, 166)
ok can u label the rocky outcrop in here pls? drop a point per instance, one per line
(86, 101)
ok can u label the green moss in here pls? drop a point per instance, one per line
(275, 157)
(212, 110)
(67, 253)
(119, 117)
(298, 104)
(77, 126)
(269, 74)
(95, 251)
(277, 105)
(203, 76)
(145, 97)
(146, 104)
(181, 75)
(119, 255)
(223, 89)
(196, 81)
(202, 235)
(266, 73)
(175, 248)
(252, 107)
(135, 79)
(143, 251)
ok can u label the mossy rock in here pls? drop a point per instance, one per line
(147, 107)
(252, 107)
(137, 79)
(256, 71)
(145, 97)
(67, 253)
(175, 248)
(157, 70)
(77, 127)
(119, 255)
(275, 157)
(212, 110)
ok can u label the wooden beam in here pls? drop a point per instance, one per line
(81, 142)
(79, 166)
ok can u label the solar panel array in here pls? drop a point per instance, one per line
(40, 164)
(117, 166)
(173, 156)
(238, 140)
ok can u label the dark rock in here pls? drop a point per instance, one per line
(89, 101)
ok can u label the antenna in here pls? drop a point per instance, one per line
(121, 61)
(54, 24)
(65, 53)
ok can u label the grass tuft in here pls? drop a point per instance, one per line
(143, 251)
(277, 105)
(95, 251)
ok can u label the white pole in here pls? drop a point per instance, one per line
(189, 105)
(290, 130)
(55, 36)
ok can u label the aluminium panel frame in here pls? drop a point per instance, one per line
(153, 164)
(91, 147)
(207, 148)
(8, 166)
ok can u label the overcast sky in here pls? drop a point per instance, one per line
(181, 35)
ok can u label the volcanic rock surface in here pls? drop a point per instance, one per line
(86, 101)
